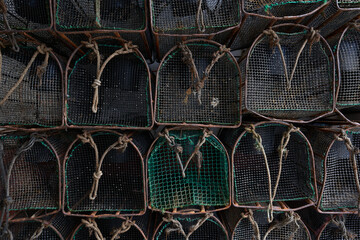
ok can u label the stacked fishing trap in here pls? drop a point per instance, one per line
(179, 119)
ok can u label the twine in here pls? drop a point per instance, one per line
(291, 217)
(255, 226)
(97, 12)
(12, 39)
(38, 231)
(125, 226)
(200, 18)
(93, 228)
(340, 223)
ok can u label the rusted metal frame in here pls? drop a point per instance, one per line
(117, 214)
(200, 125)
(68, 69)
(327, 223)
(334, 87)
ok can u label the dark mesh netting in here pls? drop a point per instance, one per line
(72, 15)
(188, 17)
(104, 172)
(284, 227)
(33, 95)
(118, 95)
(342, 227)
(180, 176)
(187, 94)
(26, 15)
(349, 65)
(196, 227)
(285, 151)
(302, 90)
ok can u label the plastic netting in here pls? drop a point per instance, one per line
(194, 16)
(124, 97)
(26, 15)
(302, 90)
(120, 185)
(349, 68)
(205, 180)
(185, 94)
(35, 99)
(74, 15)
(335, 228)
(211, 228)
(282, 228)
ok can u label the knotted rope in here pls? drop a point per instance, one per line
(200, 18)
(12, 39)
(353, 151)
(38, 231)
(125, 226)
(282, 152)
(177, 226)
(255, 226)
(97, 13)
(197, 83)
(274, 40)
(340, 223)
(290, 217)
(93, 228)
(42, 49)
(126, 49)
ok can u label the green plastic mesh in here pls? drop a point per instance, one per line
(205, 186)
(73, 15)
(333, 231)
(219, 102)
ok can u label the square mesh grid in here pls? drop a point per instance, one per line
(334, 229)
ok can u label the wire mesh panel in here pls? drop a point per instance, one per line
(290, 75)
(29, 176)
(198, 83)
(341, 227)
(196, 227)
(109, 86)
(31, 92)
(337, 162)
(254, 225)
(188, 170)
(104, 173)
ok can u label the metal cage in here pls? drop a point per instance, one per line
(188, 172)
(337, 160)
(104, 174)
(289, 75)
(196, 227)
(271, 162)
(109, 86)
(345, 226)
(32, 88)
(187, 96)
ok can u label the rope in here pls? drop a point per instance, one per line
(255, 226)
(355, 24)
(93, 228)
(97, 12)
(353, 161)
(42, 49)
(12, 39)
(274, 40)
(38, 232)
(340, 223)
(291, 217)
(127, 48)
(125, 226)
(200, 18)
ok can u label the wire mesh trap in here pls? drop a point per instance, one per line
(104, 175)
(31, 92)
(30, 178)
(290, 75)
(109, 86)
(188, 171)
(186, 96)
(341, 227)
(203, 226)
(284, 165)
(337, 161)
(286, 225)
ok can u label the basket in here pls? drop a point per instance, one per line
(341, 227)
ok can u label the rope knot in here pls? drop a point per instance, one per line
(93, 227)
(85, 137)
(96, 83)
(340, 223)
(125, 226)
(43, 49)
(123, 143)
(274, 39)
(97, 175)
(89, 44)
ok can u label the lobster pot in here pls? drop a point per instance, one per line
(197, 227)
(104, 173)
(124, 91)
(35, 99)
(177, 186)
(260, 15)
(26, 15)
(341, 227)
(286, 225)
(210, 99)
(292, 78)
(337, 168)
(29, 175)
(286, 152)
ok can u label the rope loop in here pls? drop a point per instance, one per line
(93, 228)
(250, 215)
(339, 222)
(200, 18)
(125, 226)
